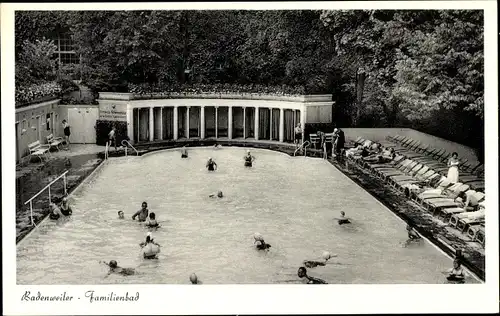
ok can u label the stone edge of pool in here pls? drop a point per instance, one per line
(395, 202)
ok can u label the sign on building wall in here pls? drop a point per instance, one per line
(113, 112)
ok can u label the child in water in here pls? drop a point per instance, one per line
(151, 222)
(194, 279)
(302, 273)
(184, 152)
(343, 220)
(55, 212)
(413, 236)
(457, 274)
(312, 263)
(211, 165)
(114, 268)
(218, 195)
(65, 208)
(150, 252)
(262, 245)
(121, 215)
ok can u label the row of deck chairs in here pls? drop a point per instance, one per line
(421, 181)
(410, 147)
(436, 159)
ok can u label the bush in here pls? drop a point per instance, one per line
(36, 92)
(216, 88)
(103, 127)
(67, 86)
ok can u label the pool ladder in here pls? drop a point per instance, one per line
(126, 143)
(303, 145)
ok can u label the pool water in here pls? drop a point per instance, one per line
(291, 201)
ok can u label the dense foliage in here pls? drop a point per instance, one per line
(421, 68)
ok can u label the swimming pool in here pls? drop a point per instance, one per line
(291, 201)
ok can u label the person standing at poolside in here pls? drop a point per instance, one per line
(298, 135)
(211, 165)
(67, 133)
(142, 213)
(453, 163)
(112, 137)
(339, 140)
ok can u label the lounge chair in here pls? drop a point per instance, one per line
(467, 216)
(377, 168)
(446, 213)
(473, 230)
(402, 170)
(465, 223)
(419, 169)
(450, 193)
(444, 189)
(419, 179)
(480, 237)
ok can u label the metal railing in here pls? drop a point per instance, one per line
(303, 145)
(126, 143)
(30, 201)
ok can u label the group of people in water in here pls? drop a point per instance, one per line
(150, 249)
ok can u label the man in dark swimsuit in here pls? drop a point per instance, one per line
(211, 165)
(67, 133)
(142, 213)
(248, 159)
(302, 273)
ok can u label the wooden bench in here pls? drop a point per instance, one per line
(54, 141)
(39, 150)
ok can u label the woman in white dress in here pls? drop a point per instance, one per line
(453, 163)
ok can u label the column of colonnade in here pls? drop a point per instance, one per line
(151, 130)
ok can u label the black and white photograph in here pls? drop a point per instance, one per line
(266, 145)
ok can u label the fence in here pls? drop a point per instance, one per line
(30, 201)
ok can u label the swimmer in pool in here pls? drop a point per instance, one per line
(121, 215)
(343, 220)
(55, 212)
(114, 268)
(211, 165)
(65, 208)
(249, 159)
(262, 245)
(150, 252)
(184, 152)
(218, 195)
(412, 234)
(313, 263)
(302, 273)
(194, 279)
(142, 213)
(151, 222)
(457, 274)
